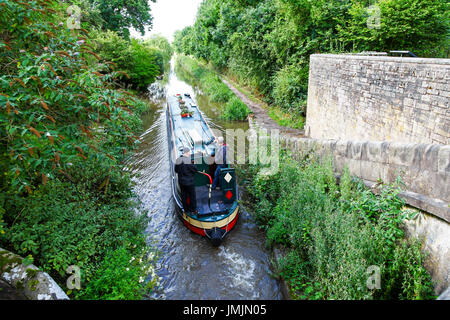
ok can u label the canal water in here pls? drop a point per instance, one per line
(189, 266)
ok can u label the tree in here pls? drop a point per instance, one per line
(120, 15)
(138, 61)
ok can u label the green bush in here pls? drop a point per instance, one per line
(138, 62)
(235, 109)
(333, 233)
(215, 88)
(121, 276)
(289, 91)
(66, 131)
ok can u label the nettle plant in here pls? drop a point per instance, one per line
(58, 102)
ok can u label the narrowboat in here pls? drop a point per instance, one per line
(218, 210)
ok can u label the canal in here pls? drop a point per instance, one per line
(189, 266)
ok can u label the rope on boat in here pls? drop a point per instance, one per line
(210, 188)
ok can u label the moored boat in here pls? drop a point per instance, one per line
(218, 210)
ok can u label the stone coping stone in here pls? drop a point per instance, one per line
(384, 58)
(33, 283)
(445, 295)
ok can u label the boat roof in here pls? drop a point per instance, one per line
(191, 131)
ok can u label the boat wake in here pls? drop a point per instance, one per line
(242, 269)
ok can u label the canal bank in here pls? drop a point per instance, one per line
(432, 232)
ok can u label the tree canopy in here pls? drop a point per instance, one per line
(266, 44)
(118, 15)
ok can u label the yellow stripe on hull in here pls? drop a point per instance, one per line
(210, 225)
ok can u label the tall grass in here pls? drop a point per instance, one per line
(235, 109)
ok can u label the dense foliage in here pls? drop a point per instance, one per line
(266, 44)
(213, 86)
(139, 63)
(333, 233)
(65, 131)
(117, 15)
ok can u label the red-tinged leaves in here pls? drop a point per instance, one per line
(92, 147)
(79, 149)
(17, 172)
(34, 131)
(51, 68)
(110, 62)
(80, 95)
(44, 105)
(17, 80)
(125, 74)
(94, 54)
(38, 98)
(35, 78)
(63, 53)
(50, 118)
(49, 34)
(82, 156)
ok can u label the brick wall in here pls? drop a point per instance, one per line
(374, 98)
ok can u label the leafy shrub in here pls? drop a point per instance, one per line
(121, 276)
(57, 100)
(289, 89)
(333, 233)
(65, 133)
(215, 88)
(139, 63)
(235, 109)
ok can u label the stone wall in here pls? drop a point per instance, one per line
(377, 98)
(424, 169)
